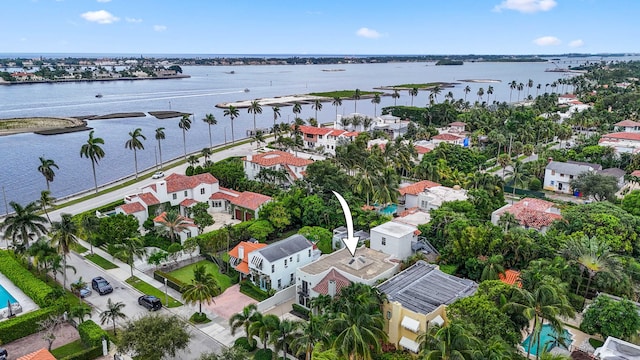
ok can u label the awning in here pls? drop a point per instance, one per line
(409, 344)
(438, 320)
(410, 324)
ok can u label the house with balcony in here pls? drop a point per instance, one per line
(274, 266)
(325, 138)
(239, 256)
(291, 167)
(416, 299)
(332, 272)
(530, 213)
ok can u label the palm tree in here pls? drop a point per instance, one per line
(135, 144)
(493, 268)
(538, 89)
(80, 311)
(46, 169)
(529, 86)
(63, 238)
(395, 97)
(518, 175)
(366, 123)
(206, 154)
(185, 125)
(130, 249)
(337, 101)
(504, 160)
(203, 287)
(77, 286)
(356, 97)
(593, 256)
(489, 92)
(276, 115)
(263, 326)
(297, 109)
(480, 94)
(452, 342)
(467, 89)
(413, 92)
(113, 313)
(254, 108)
(160, 136)
(435, 91)
(232, 112)
(90, 224)
(520, 87)
(243, 319)
(173, 223)
(211, 120)
(359, 333)
(23, 223)
(512, 85)
(284, 334)
(92, 150)
(375, 101)
(46, 201)
(311, 333)
(507, 220)
(317, 106)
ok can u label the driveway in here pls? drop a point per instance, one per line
(231, 302)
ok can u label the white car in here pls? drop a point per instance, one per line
(158, 175)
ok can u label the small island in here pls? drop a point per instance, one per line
(449, 62)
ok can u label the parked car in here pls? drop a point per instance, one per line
(85, 291)
(150, 302)
(158, 175)
(3, 354)
(101, 285)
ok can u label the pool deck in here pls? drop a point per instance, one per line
(579, 339)
(25, 301)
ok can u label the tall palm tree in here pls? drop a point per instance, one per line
(520, 87)
(480, 94)
(232, 112)
(489, 92)
(512, 85)
(311, 333)
(263, 326)
(529, 86)
(243, 319)
(395, 95)
(160, 136)
(317, 106)
(90, 224)
(284, 334)
(63, 237)
(113, 313)
(538, 89)
(254, 108)
(173, 223)
(92, 150)
(593, 256)
(23, 223)
(46, 169)
(46, 201)
(359, 333)
(135, 144)
(467, 89)
(375, 101)
(337, 101)
(185, 125)
(413, 92)
(203, 287)
(130, 249)
(356, 97)
(210, 120)
(493, 268)
(518, 175)
(436, 90)
(276, 115)
(451, 342)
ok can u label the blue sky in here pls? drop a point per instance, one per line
(320, 26)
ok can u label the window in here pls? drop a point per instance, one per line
(561, 175)
(553, 182)
(279, 283)
(292, 279)
(384, 241)
(186, 193)
(298, 258)
(175, 196)
(273, 268)
(309, 252)
(285, 262)
(202, 191)
(388, 315)
(291, 259)
(319, 136)
(553, 172)
(309, 136)
(570, 176)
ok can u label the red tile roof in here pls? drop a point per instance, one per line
(510, 277)
(132, 208)
(250, 200)
(417, 188)
(224, 194)
(188, 202)
(635, 173)
(458, 123)
(243, 266)
(313, 130)
(278, 157)
(447, 137)
(422, 149)
(149, 199)
(323, 286)
(533, 213)
(621, 136)
(568, 96)
(177, 182)
(625, 123)
(42, 354)
(161, 218)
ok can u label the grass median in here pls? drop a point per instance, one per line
(100, 261)
(148, 289)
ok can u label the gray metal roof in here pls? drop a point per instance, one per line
(423, 288)
(284, 248)
(568, 168)
(615, 172)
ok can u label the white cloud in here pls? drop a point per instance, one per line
(526, 6)
(133, 20)
(547, 41)
(368, 33)
(104, 1)
(576, 43)
(159, 28)
(100, 17)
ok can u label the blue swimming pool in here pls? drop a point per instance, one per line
(4, 297)
(389, 209)
(547, 340)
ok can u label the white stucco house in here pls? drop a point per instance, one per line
(325, 137)
(394, 238)
(292, 166)
(558, 175)
(427, 195)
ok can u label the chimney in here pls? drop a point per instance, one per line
(250, 157)
(241, 252)
(549, 159)
(332, 288)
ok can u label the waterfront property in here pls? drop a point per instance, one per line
(416, 299)
(265, 166)
(325, 138)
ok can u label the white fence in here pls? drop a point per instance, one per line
(278, 298)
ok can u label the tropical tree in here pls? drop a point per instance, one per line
(284, 334)
(395, 95)
(599, 186)
(113, 313)
(276, 115)
(63, 238)
(297, 109)
(130, 249)
(493, 268)
(46, 169)
(193, 160)
(243, 319)
(512, 85)
(413, 92)
(310, 333)
(504, 160)
(155, 337)
(135, 144)
(23, 223)
(206, 154)
(90, 224)
(185, 125)
(263, 326)
(160, 135)
(78, 285)
(232, 112)
(435, 91)
(593, 256)
(254, 108)
(258, 137)
(360, 332)
(452, 342)
(203, 287)
(489, 92)
(80, 311)
(46, 201)
(209, 119)
(375, 101)
(356, 97)
(317, 106)
(467, 89)
(173, 223)
(92, 151)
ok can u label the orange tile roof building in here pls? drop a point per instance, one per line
(325, 137)
(291, 167)
(530, 213)
(511, 277)
(42, 354)
(239, 256)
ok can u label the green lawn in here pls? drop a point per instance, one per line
(79, 248)
(69, 349)
(185, 274)
(150, 290)
(100, 261)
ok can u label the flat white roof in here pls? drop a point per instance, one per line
(392, 228)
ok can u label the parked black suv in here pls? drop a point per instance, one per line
(101, 285)
(3, 354)
(150, 302)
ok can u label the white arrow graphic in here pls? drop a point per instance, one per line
(350, 241)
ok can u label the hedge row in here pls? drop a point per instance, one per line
(91, 333)
(172, 282)
(33, 287)
(253, 291)
(87, 354)
(25, 324)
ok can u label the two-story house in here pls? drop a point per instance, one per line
(189, 228)
(457, 127)
(416, 299)
(531, 213)
(292, 167)
(239, 256)
(558, 175)
(627, 126)
(454, 139)
(622, 142)
(275, 265)
(427, 195)
(325, 138)
(340, 233)
(394, 238)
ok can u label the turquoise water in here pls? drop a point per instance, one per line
(547, 338)
(4, 297)
(389, 209)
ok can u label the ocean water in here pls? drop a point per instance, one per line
(208, 86)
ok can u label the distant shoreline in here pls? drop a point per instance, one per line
(27, 82)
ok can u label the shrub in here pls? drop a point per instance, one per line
(253, 291)
(91, 333)
(199, 318)
(172, 282)
(25, 324)
(243, 343)
(535, 185)
(33, 287)
(88, 354)
(301, 310)
(263, 354)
